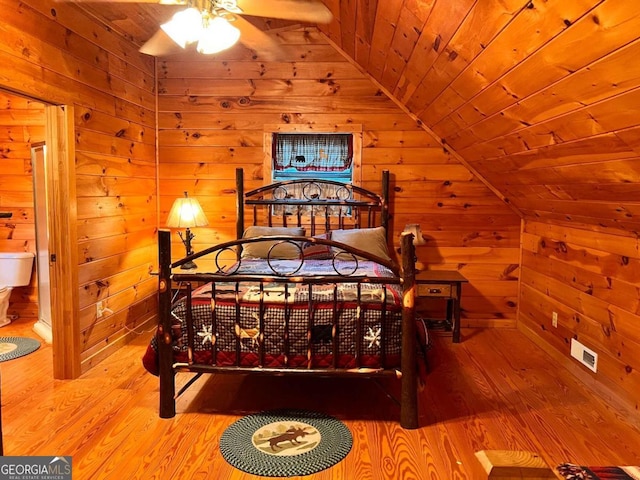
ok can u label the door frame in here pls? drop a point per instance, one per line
(41, 216)
(63, 250)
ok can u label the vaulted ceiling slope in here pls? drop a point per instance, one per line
(539, 97)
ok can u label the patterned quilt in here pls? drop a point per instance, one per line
(226, 319)
(576, 472)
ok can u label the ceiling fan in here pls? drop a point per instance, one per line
(215, 25)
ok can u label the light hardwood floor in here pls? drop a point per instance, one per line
(495, 390)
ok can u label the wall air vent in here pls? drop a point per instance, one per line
(584, 355)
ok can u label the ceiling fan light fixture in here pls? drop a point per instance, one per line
(217, 35)
(184, 27)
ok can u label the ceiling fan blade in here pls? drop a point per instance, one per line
(252, 37)
(313, 11)
(160, 45)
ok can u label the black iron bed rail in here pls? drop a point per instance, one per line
(340, 251)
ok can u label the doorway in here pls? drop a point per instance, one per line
(22, 126)
(51, 156)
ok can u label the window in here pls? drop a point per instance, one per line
(330, 151)
(326, 156)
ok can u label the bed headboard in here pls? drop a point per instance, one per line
(318, 205)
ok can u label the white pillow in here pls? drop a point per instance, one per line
(372, 240)
(284, 250)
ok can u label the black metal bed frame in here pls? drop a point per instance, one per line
(264, 202)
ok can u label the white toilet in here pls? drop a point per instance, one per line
(15, 271)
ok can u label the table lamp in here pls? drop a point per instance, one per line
(186, 212)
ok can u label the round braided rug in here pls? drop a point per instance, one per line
(14, 347)
(285, 443)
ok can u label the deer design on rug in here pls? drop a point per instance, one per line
(291, 435)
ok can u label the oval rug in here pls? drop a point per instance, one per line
(14, 347)
(285, 443)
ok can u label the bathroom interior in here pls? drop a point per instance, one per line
(24, 287)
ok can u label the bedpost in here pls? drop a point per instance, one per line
(409, 388)
(163, 336)
(239, 206)
(384, 213)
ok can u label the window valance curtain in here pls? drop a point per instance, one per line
(320, 153)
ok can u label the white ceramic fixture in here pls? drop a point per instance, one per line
(15, 271)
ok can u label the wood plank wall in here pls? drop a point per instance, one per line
(545, 112)
(541, 99)
(53, 52)
(557, 133)
(21, 124)
(212, 112)
(591, 280)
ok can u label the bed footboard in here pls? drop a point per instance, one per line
(386, 316)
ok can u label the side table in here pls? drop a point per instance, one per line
(445, 284)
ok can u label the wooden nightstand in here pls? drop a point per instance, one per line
(445, 284)
(179, 287)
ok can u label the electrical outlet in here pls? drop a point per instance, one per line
(554, 319)
(99, 309)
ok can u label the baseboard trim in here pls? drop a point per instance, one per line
(44, 331)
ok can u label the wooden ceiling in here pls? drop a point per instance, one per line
(539, 97)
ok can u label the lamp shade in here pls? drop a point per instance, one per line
(415, 229)
(186, 212)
